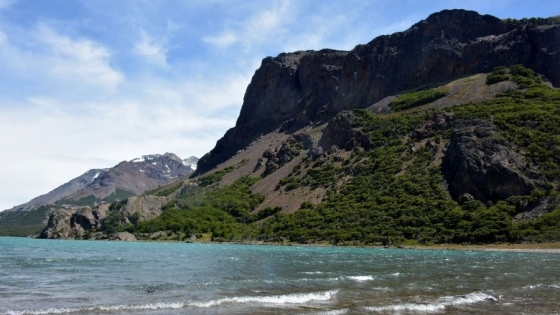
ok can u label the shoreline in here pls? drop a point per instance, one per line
(550, 248)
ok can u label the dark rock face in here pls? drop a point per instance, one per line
(296, 89)
(481, 165)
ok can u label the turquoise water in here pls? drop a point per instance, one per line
(95, 277)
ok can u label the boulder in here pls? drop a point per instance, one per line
(480, 164)
(123, 236)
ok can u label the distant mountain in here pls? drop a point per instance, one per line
(191, 162)
(62, 191)
(128, 178)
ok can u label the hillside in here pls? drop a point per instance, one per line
(445, 133)
(96, 186)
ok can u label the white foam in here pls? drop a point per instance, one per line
(330, 312)
(125, 307)
(299, 298)
(361, 278)
(312, 272)
(437, 305)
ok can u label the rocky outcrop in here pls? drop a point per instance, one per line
(276, 159)
(340, 132)
(437, 122)
(144, 207)
(58, 225)
(123, 236)
(87, 222)
(297, 89)
(480, 164)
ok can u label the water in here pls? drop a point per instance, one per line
(95, 277)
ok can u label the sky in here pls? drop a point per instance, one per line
(89, 83)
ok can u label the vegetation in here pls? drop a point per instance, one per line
(223, 212)
(391, 192)
(23, 223)
(396, 194)
(418, 98)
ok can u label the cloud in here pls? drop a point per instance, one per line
(152, 50)
(259, 27)
(78, 59)
(224, 40)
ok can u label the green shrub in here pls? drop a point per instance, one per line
(414, 99)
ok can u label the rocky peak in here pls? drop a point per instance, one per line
(191, 162)
(294, 90)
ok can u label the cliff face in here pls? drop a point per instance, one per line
(481, 165)
(86, 222)
(297, 89)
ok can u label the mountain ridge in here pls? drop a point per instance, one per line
(439, 134)
(293, 89)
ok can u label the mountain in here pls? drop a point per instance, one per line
(448, 132)
(126, 179)
(293, 90)
(191, 162)
(130, 178)
(62, 191)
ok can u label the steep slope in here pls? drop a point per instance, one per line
(293, 90)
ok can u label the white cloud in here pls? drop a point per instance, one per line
(152, 50)
(57, 140)
(78, 59)
(224, 40)
(262, 26)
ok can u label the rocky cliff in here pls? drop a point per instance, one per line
(297, 89)
(92, 223)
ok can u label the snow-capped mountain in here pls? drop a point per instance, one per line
(125, 179)
(191, 162)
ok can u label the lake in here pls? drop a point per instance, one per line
(98, 277)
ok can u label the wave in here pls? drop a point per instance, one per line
(437, 305)
(543, 286)
(126, 307)
(330, 312)
(361, 278)
(298, 298)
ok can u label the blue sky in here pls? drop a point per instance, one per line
(89, 83)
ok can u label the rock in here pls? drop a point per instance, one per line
(294, 90)
(340, 133)
(58, 225)
(144, 207)
(123, 236)
(438, 121)
(480, 164)
(275, 160)
(190, 239)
